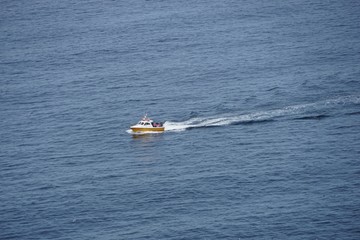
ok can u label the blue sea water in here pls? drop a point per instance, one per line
(262, 107)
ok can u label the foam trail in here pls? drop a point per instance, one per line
(217, 121)
(259, 116)
(228, 120)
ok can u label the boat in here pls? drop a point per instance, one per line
(147, 125)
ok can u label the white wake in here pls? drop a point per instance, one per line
(223, 120)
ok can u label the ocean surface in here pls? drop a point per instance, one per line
(262, 107)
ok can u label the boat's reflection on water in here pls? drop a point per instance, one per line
(147, 137)
(146, 146)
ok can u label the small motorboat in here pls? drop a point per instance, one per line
(147, 125)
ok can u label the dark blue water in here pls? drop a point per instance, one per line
(261, 99)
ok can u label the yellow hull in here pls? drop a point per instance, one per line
(155, 129)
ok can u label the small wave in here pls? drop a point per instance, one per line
(253, 122)
(348, 126)
(353, 113)
(272, 89)
(314, 117)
